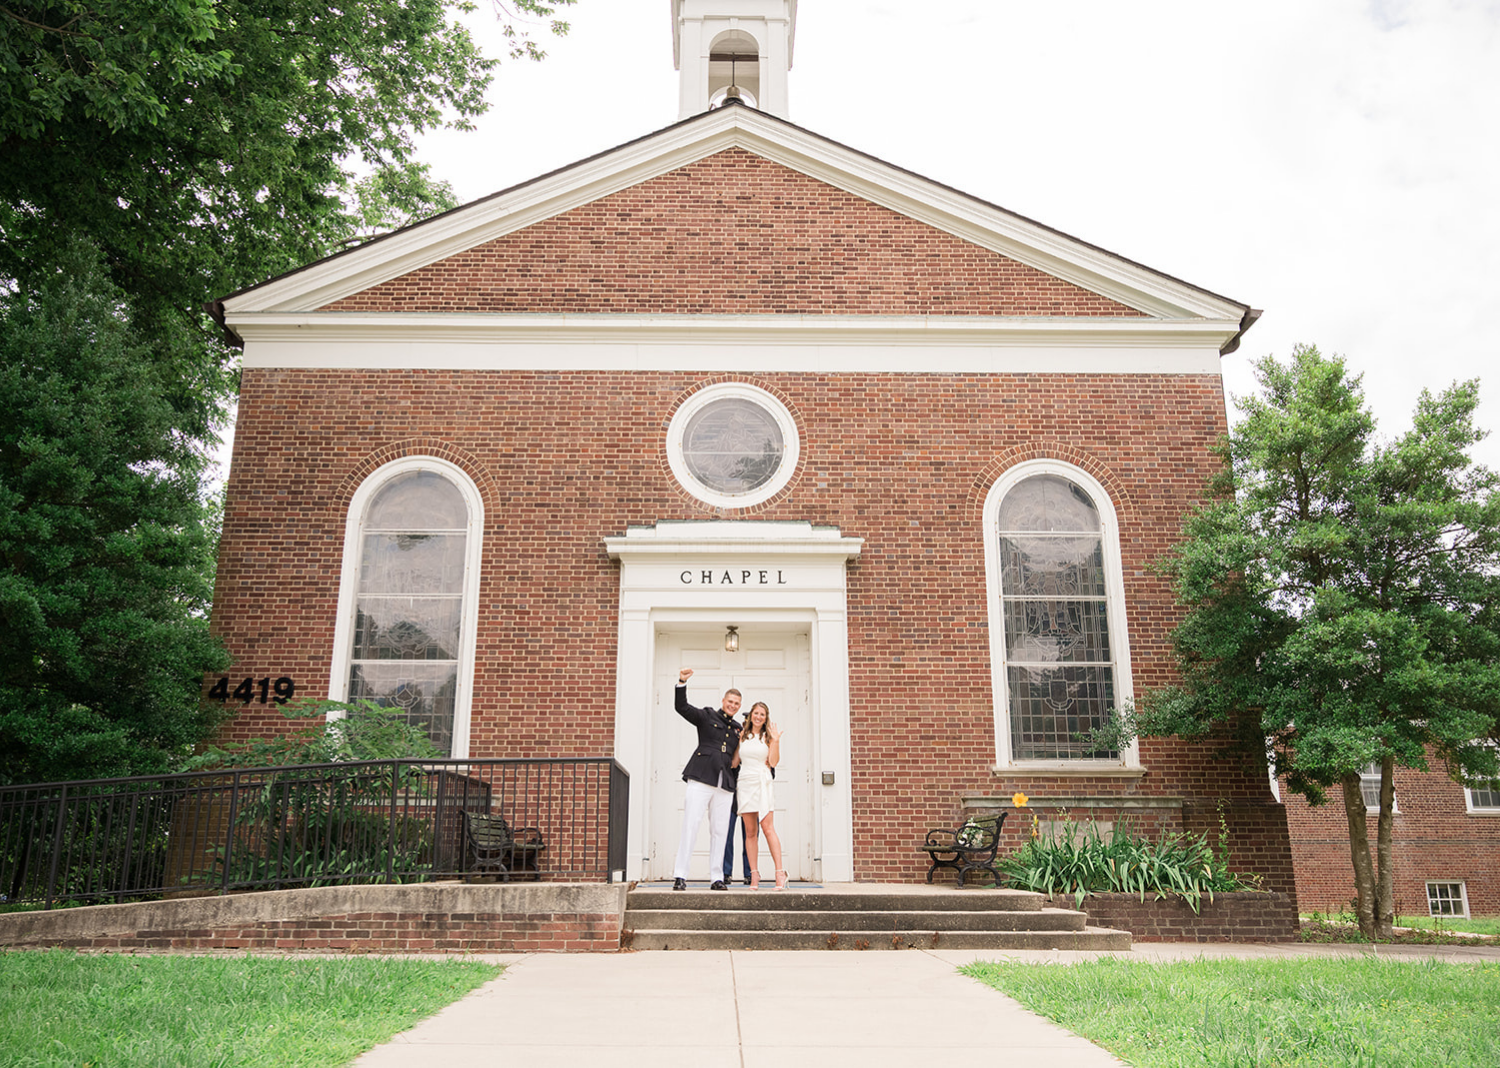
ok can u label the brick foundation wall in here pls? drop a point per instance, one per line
(427, 918)
(1235, 917)
(1433, 838)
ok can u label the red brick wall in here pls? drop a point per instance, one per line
(565, 459)
(386, 932)
(732, 234)
(1433, 838)
(1236, 917)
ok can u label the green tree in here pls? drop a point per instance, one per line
(1343, 600)
(205, 145)
(107, 555)
(156, 155)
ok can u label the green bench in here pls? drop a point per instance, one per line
(495, 849)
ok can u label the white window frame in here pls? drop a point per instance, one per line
(1114, 578)
(791, 443)
(1463, 897)
(1370, 774)
(1474, 808)
(343, 633)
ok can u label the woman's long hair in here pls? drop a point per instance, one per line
(747, 730)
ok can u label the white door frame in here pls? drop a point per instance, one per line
(715, 573)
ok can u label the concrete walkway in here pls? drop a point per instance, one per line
(721, 1009)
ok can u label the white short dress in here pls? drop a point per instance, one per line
(754, 793)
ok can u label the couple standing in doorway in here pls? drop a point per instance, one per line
(731, 771)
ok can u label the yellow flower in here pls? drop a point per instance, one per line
(1019, 799)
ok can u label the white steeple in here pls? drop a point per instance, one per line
(733, 47)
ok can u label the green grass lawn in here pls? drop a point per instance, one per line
(60, 1008)
(1231, 1013)
(1485, 925)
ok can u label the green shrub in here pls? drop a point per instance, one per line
(1068, 861)
(334, 825)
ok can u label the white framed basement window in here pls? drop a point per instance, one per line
(1059, 652)
(408, 596)
(1447, 899)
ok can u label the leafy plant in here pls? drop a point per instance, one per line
(1068, 861)
(334, 731)
(314, 825)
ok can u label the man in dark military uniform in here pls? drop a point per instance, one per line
(710, 780)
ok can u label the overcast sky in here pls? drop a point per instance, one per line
(1333, 162)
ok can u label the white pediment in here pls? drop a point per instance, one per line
(972, 220)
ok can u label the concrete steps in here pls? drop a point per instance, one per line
(854, 918)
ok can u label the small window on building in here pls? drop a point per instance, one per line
(1485, 797)
(1369, 786)
(1447, 899)
(732, 445)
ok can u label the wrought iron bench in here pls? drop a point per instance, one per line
(969, 847)
(496, 849)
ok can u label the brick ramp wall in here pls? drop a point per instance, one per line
(1235, 917)
(424, 918)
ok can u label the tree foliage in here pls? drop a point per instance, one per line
(156, 155)
(1343, 599)
(107, 553)
(208, 144)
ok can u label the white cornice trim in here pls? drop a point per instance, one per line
(719, 538)
(422, 327)
(966, 345)
(677, 146)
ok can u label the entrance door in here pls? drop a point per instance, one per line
(770, 667)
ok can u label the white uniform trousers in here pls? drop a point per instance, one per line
(702, 798)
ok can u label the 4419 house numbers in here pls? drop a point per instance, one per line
(250, 689)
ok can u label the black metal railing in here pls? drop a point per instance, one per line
(380, 821)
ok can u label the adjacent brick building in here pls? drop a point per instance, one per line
(1445, 841)
(733, 384)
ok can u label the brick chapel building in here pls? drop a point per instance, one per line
(737, 397)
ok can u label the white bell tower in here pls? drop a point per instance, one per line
(729, 48)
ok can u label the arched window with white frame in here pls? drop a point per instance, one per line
(408, 600)
(1059, 650)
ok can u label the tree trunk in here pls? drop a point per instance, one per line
(1385, 874)
(1359, 853)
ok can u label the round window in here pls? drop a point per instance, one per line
(732, 445)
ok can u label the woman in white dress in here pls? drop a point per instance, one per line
(759, 752)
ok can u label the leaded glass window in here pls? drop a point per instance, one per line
(1059, 665)
(409, 604)
(732, 445)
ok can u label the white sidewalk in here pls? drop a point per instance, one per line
(721, 1009)
(739, 1009)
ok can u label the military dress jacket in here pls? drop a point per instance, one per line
(718, 738)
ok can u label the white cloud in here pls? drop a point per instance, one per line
(1335, 163)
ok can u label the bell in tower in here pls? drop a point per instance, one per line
(733, 50)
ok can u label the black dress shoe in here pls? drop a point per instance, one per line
(747, 880)
(679, 884)
(717, 884)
